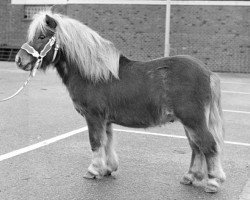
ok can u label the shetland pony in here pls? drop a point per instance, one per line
(106, 87)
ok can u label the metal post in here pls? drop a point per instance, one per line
(167, 28)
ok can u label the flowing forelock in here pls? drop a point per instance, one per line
(95, 57)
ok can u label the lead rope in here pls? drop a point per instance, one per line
(39, 57)
(32, 74)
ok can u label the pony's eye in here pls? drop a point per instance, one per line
(41, 37)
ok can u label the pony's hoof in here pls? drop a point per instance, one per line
(111, 169)
(187, 179)
(222, 178)
(112, 163)
(212, 186)
(109, 173)
(90, 175)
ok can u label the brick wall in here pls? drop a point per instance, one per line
(137, 30)
(4, 22)
(218, 35)
(13, 27)
(18, 31)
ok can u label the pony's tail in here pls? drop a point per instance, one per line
(215, 115)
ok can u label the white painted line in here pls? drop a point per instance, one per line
(175, 136)
(41, 144)
(150, 133)
(74, 132)
(237, 111)
(233, 92)
(238, 143)
(240, 83)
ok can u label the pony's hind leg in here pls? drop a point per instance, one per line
(111, 156)
(216, 174)
(206, 146)
(208, 154)
(214, 118)
(197, 169)
(98, 140)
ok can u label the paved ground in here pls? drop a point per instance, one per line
(151, 165)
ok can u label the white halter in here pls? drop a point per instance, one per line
(29, 49)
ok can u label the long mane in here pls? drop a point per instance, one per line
(95, 57)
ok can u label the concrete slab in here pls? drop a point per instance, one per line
(150, 166)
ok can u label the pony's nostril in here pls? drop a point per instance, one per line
(18, 60)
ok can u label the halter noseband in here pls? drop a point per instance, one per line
(29, 49)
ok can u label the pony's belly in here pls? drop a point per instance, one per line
(165, 117)
(144, 119)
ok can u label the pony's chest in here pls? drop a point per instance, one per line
(88, 103)
(81, 109)
(78, 98)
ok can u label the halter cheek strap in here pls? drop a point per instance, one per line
(55, 52)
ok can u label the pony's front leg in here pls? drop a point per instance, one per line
(98, 139)
(111, 156)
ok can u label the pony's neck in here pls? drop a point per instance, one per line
(66, 70)
(63, 69)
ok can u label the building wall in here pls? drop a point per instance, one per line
(218, 35)
(13, 27)
(138, 30)
(4, 22)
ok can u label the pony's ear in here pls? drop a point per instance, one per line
(50, 22)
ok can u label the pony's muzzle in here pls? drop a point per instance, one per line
(23, 60)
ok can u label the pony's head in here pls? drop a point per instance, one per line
(82, 48)
(41, 44)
